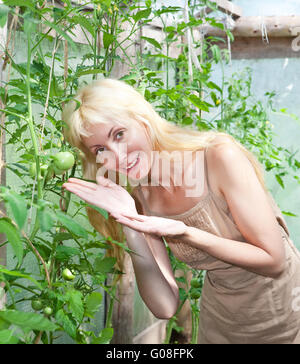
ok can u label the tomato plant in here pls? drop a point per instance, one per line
(61, 290)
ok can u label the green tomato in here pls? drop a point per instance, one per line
(68, 275)
(195, 283)
(36, 304)
(48, 311)
(43, 168)
(195, 293)
(50, 173)
(44, 171)
(64, 160)
(47, 171)
(58, 171)
(32, 169)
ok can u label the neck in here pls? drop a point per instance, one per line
(165, 172)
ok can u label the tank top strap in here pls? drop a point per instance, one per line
(206, 169)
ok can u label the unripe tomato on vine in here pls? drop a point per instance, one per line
(37, 304)
(48, 311)
(64, 161)
(68, 275)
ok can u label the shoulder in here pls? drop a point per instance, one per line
(233, 171)
(221, 147)
(223, 156)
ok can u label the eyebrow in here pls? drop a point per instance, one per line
(108, 136)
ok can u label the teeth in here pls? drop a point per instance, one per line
(133, 163)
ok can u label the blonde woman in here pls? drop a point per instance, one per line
(223, 221)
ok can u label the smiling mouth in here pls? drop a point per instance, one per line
(131, 165)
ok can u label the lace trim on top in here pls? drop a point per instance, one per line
(193, 209)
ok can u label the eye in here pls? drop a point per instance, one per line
(98, 149)
(120, 132)
(101, 149)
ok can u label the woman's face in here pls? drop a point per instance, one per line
(121, 148)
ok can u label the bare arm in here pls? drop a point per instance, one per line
(153, 272)
(262, 251)
(151, 264)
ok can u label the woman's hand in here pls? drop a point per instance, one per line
(154, 225)
(105, 194)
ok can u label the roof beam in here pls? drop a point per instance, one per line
(227, 7)
(251, 26)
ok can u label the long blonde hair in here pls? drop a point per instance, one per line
(109, 100)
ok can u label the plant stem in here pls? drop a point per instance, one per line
(172, 322)
(111, 303)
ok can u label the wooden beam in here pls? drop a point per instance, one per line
(251, 26)
(255, 48)
(227, 7)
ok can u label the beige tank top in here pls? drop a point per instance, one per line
(238, 306)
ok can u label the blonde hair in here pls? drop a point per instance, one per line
(109, 100)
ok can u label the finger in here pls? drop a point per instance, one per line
(82, 192)
(103, 181)
(135, 217)
(127, 222)
(80, 182)
(83, 195)
(106, 182)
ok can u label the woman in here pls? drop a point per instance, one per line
(227, 224)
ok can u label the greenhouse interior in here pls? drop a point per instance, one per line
(91, 251)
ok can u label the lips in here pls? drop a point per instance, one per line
(133, 163)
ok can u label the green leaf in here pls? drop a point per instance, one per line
(28, 320)
(84, 23)
(29, 24)
(198, 103)
(62, 33)
(46, 219)
(71, 225)
(6, 337)
(153, 42)
(142, 14)
(13, 237)
(104, 265)
(75, 304)
(65, 252)
(107, 39)
(216, 53)
(68, 325)
(92, 303)
(212, 85)
(18, 206)
(4, 10)
(62, 237)
(105, 336)
(289, 213)
(279, 180)
(26, 3)
(20, 275)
